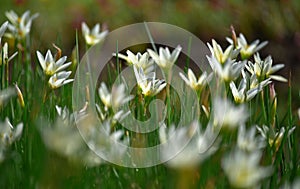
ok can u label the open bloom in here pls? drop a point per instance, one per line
(51, 66)
(139, 60)
(165, 59)
(3, 29)
(227, 72)
(229, 54)
(228, 115)
(243, 170)
(20, 26)
(247, 50)
(272, 137)
(263, 68)
(59, 79)
(245, 91)
(149, 85)
(173, 143)
(93, 36)
(247, 140)
(8, 135)
(192, 81)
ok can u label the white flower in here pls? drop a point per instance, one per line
(247, 50)
(227, 72)
(147, 83)
(263, 68)
(49, 65)
(242, 93)
(93, 36)
(6, 94)
(272, 137)
(139, 60)
(59, 79)
(188, 155)
(116, 98)
(20, 26)
(192, 81)
(8, 135)
(6, 59)
(229, 54)
(3, 29)
(247, 140)
(242, 169)
(165, 59)
(227, 115)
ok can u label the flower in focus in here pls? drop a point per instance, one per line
(3, 29)
(227, 115)
(8, 135)
(230, 71)
(94, 36)
(272, 137)
(149, 85)
(263, 68)
(165, 59)
(174, 139)
(59, 79)
(243, 170)
(20, 26)
(247, 50)
(51, 66)
(192, 81)
(139, 60)
(247, 141)
(229, 54)
(242, 93)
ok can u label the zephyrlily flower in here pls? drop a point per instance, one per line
(20, 26)
(165, 59)
(51, 66)
(243, 170)
(59, 79)
(247, 50)
(149, 85)
(227, 72)
(229, 54)
(192, 81)
(247, 140)
(263, 68)
(6, 58)
(139, 60)
(93, 36)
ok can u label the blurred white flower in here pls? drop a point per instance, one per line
(243, 170)
(8, 135)
(263, 69)
(229, 54)
(165, 59)
(189, 155)
(59, 79)
(149, 85)
(192, 81)
(247, 140)
(20, 26)
(7, 94)
(139, 60)
(93, 36)
(51, 66)
(3, 29)
(272, 137)
(247, 50)
(228, 115)
(227, 72)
